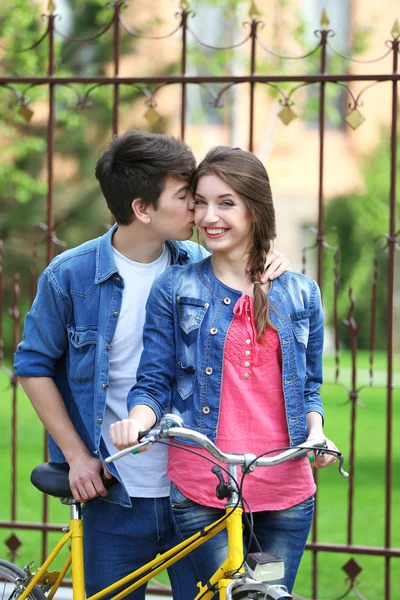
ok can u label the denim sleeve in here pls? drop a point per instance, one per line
(156, 370)
(45, 337)
(314, 354)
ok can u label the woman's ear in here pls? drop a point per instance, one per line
(140, 210)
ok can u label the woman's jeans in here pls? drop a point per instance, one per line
(280, 532)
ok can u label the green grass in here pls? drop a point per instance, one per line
(369, 483)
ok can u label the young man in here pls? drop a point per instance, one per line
(81, 347)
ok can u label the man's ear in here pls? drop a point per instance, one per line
(140, 210)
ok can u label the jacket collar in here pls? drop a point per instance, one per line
(205, 271)
(105, 263)
(178, 252)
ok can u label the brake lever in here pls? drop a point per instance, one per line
(136, 449)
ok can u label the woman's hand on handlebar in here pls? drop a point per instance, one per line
(125, 433)
(323, 459)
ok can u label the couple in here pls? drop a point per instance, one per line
(83, 340)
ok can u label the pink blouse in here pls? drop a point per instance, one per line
(252, 419)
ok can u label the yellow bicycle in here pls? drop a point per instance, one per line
(235, 579)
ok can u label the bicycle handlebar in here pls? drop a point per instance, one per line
(171, 427)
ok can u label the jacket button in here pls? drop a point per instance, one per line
(209, 370)
(96, 452)
(206, 410)
(108, 346)
(115, 314)
(227, 300)
(104, 386)
(247, 353)
(99, 420)
(245, 375)
(206, 305)
(247, 364)
(213, 330)
(248, 341)
(117, 278)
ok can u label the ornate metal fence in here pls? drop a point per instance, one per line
(149, 86)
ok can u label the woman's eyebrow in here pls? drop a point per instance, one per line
(220, 196)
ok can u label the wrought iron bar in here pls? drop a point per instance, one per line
(184, 26)
(253, 34)
(316, 78)
(16, 318)
(116, 43)
(390, 314)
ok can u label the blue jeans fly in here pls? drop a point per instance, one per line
(281, 532)
(118, 540)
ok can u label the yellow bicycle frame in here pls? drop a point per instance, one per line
(231, 521)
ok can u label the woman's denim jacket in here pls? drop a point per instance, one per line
(189, 312)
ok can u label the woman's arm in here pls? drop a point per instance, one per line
(150, 397)
(314, 351)
(314, 408)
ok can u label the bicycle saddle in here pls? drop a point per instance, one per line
(52, 478)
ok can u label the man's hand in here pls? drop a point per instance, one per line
(84, 478)
(275, 265)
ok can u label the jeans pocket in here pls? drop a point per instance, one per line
(179, 500)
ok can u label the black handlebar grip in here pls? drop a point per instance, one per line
(143, 434)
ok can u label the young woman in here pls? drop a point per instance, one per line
(239, 360)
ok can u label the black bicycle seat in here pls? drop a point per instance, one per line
(53, 479)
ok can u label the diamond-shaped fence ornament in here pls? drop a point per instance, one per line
(13, 543)
(325, 22)
(352, 568)
(51, 7)
(396, 30)
(152, 116)
(287, 115)
(354, 118)
(25, 112)
(254, 11)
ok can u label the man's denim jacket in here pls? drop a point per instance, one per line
(69, 331)
(189, 312)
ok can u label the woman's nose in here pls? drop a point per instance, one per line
(211, 216)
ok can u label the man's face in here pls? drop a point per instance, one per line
(173, 219)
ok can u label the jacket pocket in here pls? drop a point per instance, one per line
(191, 313)
(82, 353)
(186, 380)
(301, 326)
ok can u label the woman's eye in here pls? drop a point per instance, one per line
(197, 202)
(226, 203)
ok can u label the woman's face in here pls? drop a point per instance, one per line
(221, 215)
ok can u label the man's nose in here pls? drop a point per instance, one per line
(190, 200)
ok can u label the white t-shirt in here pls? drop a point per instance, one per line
(144, 475)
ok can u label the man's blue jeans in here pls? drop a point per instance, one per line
(281, 532)
(118, 540)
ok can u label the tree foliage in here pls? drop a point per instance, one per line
(360, 223)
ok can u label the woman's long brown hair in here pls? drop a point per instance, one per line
(248, 177)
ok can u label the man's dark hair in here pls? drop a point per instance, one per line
(136, 165)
